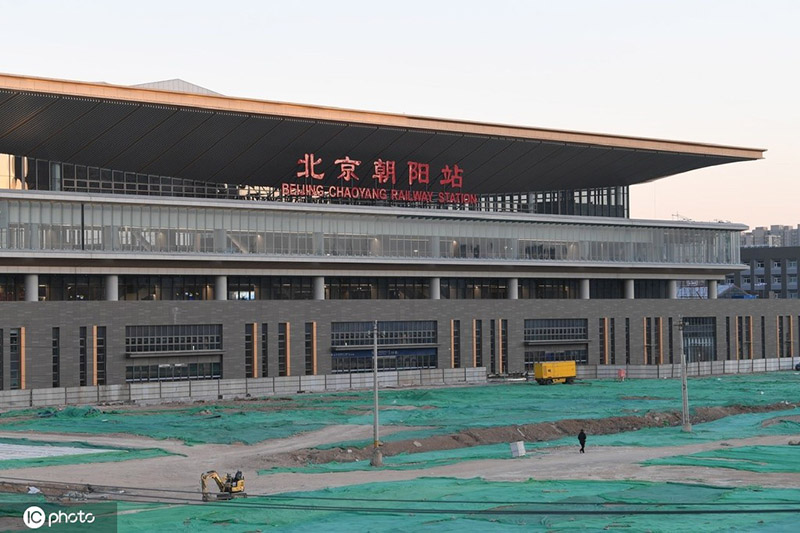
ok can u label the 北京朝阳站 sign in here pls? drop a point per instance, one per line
(384, 178)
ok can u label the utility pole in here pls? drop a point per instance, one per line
(377, 456)
(687, 425)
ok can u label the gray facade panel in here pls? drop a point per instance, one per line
(39, 318)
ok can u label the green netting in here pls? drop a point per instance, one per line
(114, 454)
(441, 410)
(444, 504)
(729, 427)
(752, 458)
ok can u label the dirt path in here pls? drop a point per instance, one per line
(599, 463)
(181, 472)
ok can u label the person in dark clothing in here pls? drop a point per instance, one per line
(582, 440)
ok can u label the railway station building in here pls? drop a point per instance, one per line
(165, 233)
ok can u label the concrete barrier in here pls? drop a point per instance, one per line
(334, 382)
(204, 390)
(174, 390)
(312, 383)
(232, 388)
(45, 397)
(145, 392)
(17, 398)
(431, 376)
(260, 387)
(114, 393)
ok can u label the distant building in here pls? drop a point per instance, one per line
(775, 235)
(772, 271)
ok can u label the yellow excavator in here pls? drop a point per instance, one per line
(231, 487)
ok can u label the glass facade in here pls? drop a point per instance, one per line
(12, 288)
(473, 289)
(173, 338)
(372, 288)
(389, 333)
(165, 288)
(700, 338)
(45, 175)
(269, 288)
(110, 225)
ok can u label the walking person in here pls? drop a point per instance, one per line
(582, 440)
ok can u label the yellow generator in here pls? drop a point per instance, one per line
(554, 372)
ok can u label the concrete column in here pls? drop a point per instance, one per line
(672, 289)
(629, 289)
(31, 287)
(712, 289)
(221, 288)
(112, 288)
(513, 289)
(584, 289)
(436, 289)
(318, 290)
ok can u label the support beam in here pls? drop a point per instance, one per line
(318, 287)
(221, 288)
(584, 289)
(112, 288)
(436, 289)
(513, 289)
(31, 287)
(629, 289)
(672, 289)
(712, 289)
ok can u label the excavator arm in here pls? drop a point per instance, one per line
(230, 487)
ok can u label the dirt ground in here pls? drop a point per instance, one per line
(182, 472)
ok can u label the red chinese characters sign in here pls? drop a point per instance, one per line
(384, 175)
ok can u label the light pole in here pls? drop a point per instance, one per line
(377, 456)
(687, 425)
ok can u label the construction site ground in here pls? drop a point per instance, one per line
(447, 458)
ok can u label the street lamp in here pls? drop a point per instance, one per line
(377, 456)
(687, 425)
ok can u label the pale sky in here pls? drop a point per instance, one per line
(720, 72)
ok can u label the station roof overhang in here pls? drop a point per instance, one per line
(218, 139)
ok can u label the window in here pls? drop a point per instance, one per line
(746, 280)
(173, 372)
(82, 356)
(776, 280)
(15, 356)
(478, 342)
(264, 350)
(776, 265)
(284, 351)
(311, 348)
(700, 338)
(249, 347)
(455, 336)
(744, 337)
(389, 333)
(56, 352)
(760, 263)
(555, 329)
(156, 339)
(100, 378)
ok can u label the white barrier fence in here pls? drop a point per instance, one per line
(703, 368)
(224, 389)
(169, 391)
